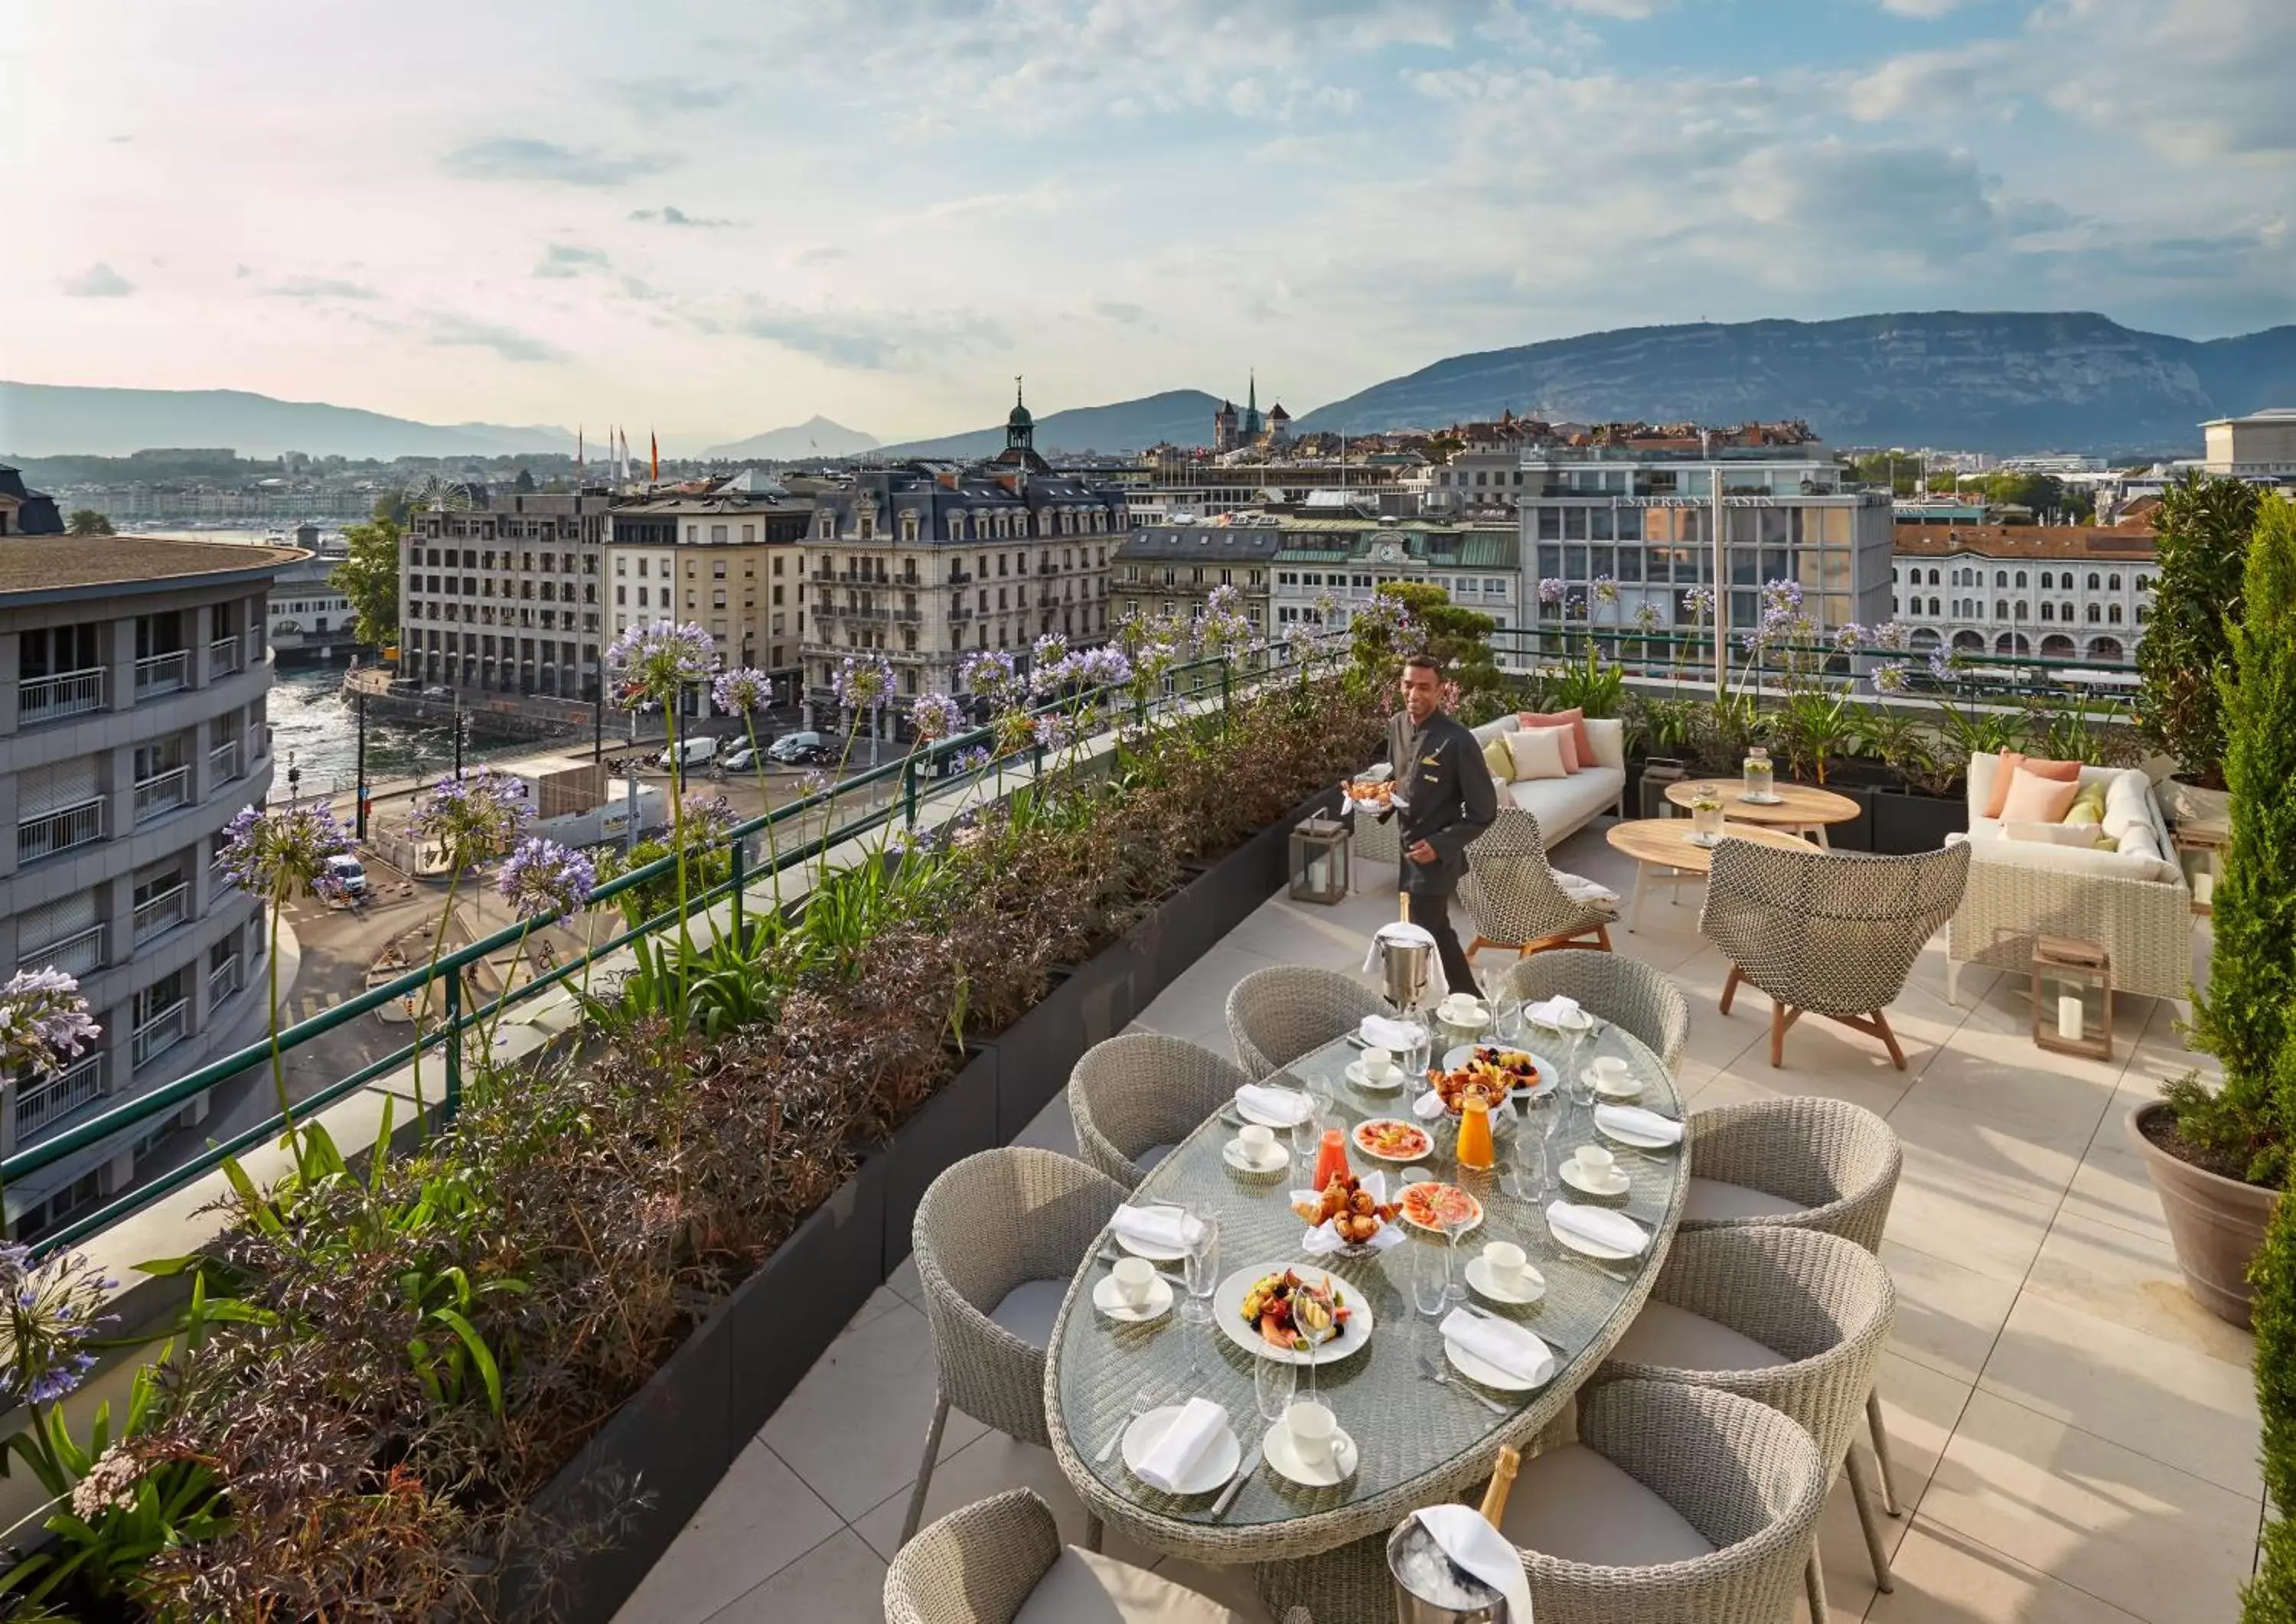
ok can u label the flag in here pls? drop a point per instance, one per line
(654, 443)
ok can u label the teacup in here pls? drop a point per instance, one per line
(1460, 1010)
(1256, 1139)
(1507, 1264)
(1378, 1063)
(1595, 1165)
(1313, 1429)
(1134, 1278)
(1609, 1071)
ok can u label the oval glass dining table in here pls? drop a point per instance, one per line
(1419, 1443)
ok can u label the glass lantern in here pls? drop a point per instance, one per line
(2072, 997)
(1319, 861)
(1761, 775)
(2201, 858)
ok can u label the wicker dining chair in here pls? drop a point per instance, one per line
(1832, 933)
(1134, 1097)
(1511, 892)
(999, 1237)
(1277, 1014)
(1677, 1504)
(1643, 1000)
(1802, 1162)
(1792, 1318)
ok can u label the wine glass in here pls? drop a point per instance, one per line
(1308, 1141)
(1574, 1079)
(1431, 1280)
(1419, 1052)
(1273, 1382)
(1200, 1272)
(1523, 1175)
(1454, 1220)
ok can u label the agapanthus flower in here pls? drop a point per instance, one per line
(1894, 636)
(660, 660)
(1049, 677)
(1326, 606)
(44, 1021)
(1552, 590)
(707, 818)
(51, 1310)
(543, 880)
(812, 783)
(1940, 663)
(1646, 616)
(1850, 637)
(1222, 627)
(1605, 589)
(1105, 667)
(1151, 662)
(1699, 602)
(864, 681)
(935, 716)
(1889, 677)
(281, 850)
(990, 674)
(1015, 730)
(971, 760)
(1054, 731)
(474, 819)
(742, 690)
(1049, 649)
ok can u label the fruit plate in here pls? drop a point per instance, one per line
(1410, 1141)
(1227, 1310)
(1422, 1202)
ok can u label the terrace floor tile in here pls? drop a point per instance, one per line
(2132, 1280)
(840, 1577)
(761, 1519)
(1945, 1576)
(1948, 1314)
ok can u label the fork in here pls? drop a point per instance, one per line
(1435, 1372)
(1143, 1402)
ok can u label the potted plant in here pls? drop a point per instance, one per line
(2204, 529)
(1926, 803)
(2220, 1157)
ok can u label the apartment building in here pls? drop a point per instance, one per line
(730, 562)
(1170, 570)
(504, 598)
(1346, 559)
(132, 684)
(2055, 592)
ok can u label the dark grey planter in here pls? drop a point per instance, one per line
(1857, 833)
(1036, 1053)
(1906, 824)
(958, 1120)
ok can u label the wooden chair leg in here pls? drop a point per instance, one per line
(1481, 942)
(1779, 1022)
(1890, 1038)
(1602, 936)
(1730, 987)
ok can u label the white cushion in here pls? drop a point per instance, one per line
(2067, 859)
(2080, 837)
(1029, 1309)
(1579, 888)
(1709, 1199)
(1565, 805)
(1538, 753)
(1149, 1157)
(1608, 735)
(2138, 840)
(1086, 1587)
(1676, 1339)
(2128, 803)
(1572, 1504)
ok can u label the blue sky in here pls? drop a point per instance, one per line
(715, 219)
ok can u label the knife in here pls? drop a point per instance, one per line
(1235, 1484)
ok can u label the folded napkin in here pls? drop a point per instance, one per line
(1409, 935)
(1172, 1456)
(1560, 1012)
(1514, 1348)
(1428, 1107)
(1157, 1229)
(1481, 1550)
(1323, 1240)
(1642, 1124)
(1273, 1107)
(1597, 1224)
(1396, 1036)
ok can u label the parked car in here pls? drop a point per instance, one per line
(798, 749)
(741, 758)
(693, 753)
(435, 692)
(350, 873)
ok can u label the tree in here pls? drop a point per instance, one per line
(369, 577)
(1459, 637)
(525, 480)
(87, 521)
(2204, 527)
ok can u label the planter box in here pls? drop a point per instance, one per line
(2216, 1224)
(1036, 1053)
(1904, 823)
(1857, 833)
(958, 1120)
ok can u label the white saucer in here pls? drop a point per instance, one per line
(1478, 1276)
(1214, 1467)
(1627, 1088)
(1158, 1304)
(1387, 1085)
(1464, 1023)
(1619, 1185)
(1490, 1376)
(1764, 800)
(1275, 1161)
(1285, 1459)
(1641, 1142)
(1704, 842)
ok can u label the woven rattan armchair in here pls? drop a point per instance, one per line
(977, 1565)
(1623, 990)
(1142, 1092)
(1277, 1014)
(1832, 933)
(1748, 1480)
(990, 1224)
(1512, 894)
(1823, 1304)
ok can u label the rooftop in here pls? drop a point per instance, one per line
(54, 565)
(2135, 542)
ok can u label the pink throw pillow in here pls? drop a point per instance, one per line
(2040, 766)
(2034, 798)
(1575, 718)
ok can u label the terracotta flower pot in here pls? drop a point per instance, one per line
(2217, 1224)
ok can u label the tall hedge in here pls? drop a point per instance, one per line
(2271, 1598)
(2204, 527)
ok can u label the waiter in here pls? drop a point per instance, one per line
(1444, 798)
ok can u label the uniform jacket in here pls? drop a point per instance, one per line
(1452, 799)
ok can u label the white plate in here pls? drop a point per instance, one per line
(1592, 1249)
(1627, 1088)
(1763, 800)
(1360, 1146)
(1214, 1466)
(1486, 1374)
(1619, 1185)
(1641, 1142)
(1704, 842)
(1405, 1216)
(1287, 1462)
(1154, 1306)
(1154, 1254)
(1532, 1288)
(1387, 1085)
(1227, 1308)
(1275, 1161)
(1547, 1071)
(1279, 1125)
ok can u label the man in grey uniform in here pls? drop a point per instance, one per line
(1444, 798)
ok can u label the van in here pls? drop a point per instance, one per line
(794, 747)
(350, 873)
(691, 752)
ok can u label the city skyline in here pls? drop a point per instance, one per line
(870, 213)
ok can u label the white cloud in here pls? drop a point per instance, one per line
(525, 158)
(321, 287)
(452, 330)
(99, 280)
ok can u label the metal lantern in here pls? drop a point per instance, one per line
(1319, 861)
(1658, 772)
(2200, 853)
(2072, 997)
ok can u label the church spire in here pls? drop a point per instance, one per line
(1252, 404)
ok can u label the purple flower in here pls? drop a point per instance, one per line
(1889, 677)
(1051, 675)
(658, 662)
(742, 690)
(1892, 634)
(1940, 663)
(1646, 616)
(543, 880)
(1105, 667)
(709, 818)
(1552, 590)
(971, 760)
(812, 783)
(283, 851)
(51, 1309)
(989, 673)
(1605, 589)
(471, 820)
(864, 681)
(1054, 731)
(1699, 602)
(1052, 649)
(935, 716)
(44, 1021)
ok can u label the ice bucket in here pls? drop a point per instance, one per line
(1430, 1589)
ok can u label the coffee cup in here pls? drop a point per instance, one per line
(1595, 1164)
(1313, 1429)
(1506, 1262)
(1611, 1070)
(1257, 1141)
(1134, 1278)
(1377, 1064)
(1461, 1010)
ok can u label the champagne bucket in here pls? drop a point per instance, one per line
(1430, 1588)
(1403, 969)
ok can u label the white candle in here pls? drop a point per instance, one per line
(2204, 886)
(2068, 1017)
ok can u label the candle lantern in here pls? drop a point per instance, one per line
(2200, 853)
(1319, 861)
(2072, 997)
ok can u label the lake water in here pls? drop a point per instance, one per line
(315, 724)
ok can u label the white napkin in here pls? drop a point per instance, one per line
(1642, 1124)
(1172, 1456)
(1483, 1551)
(1560, 1012)
(1517, 1349)
(1273, 1107)
(1404, 930)
(1323, 1239)
(1396, 1036)
(1599, 1225)
(1157, 1228)
(1428, 1106)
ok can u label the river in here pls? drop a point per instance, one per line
(314, 727)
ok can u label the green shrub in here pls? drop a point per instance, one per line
(2271, 1598)
(2204, 525)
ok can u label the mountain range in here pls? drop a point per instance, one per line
(2000, 382)
(814, 437)
(54, 420)
(1181, 416)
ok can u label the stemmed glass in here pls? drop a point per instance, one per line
(1574, 1048)
(1273, 1382)
(1455, 1225)
(1431, 1280)
(1201, 1272)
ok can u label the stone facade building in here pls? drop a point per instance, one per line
(505, 599)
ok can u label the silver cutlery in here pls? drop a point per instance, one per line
(1234, 1485)
(1143, 1402)
(1438, 1374)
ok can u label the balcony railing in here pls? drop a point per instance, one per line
(162, 793)
(44, 699)
(224, 654)
(58, 1096)
(223, 761)
(79, 954)
(157, 674)
(162, 1032)
(59, 830)
(223, 980)
(163, 913)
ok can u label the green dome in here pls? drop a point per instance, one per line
(1019, 418)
